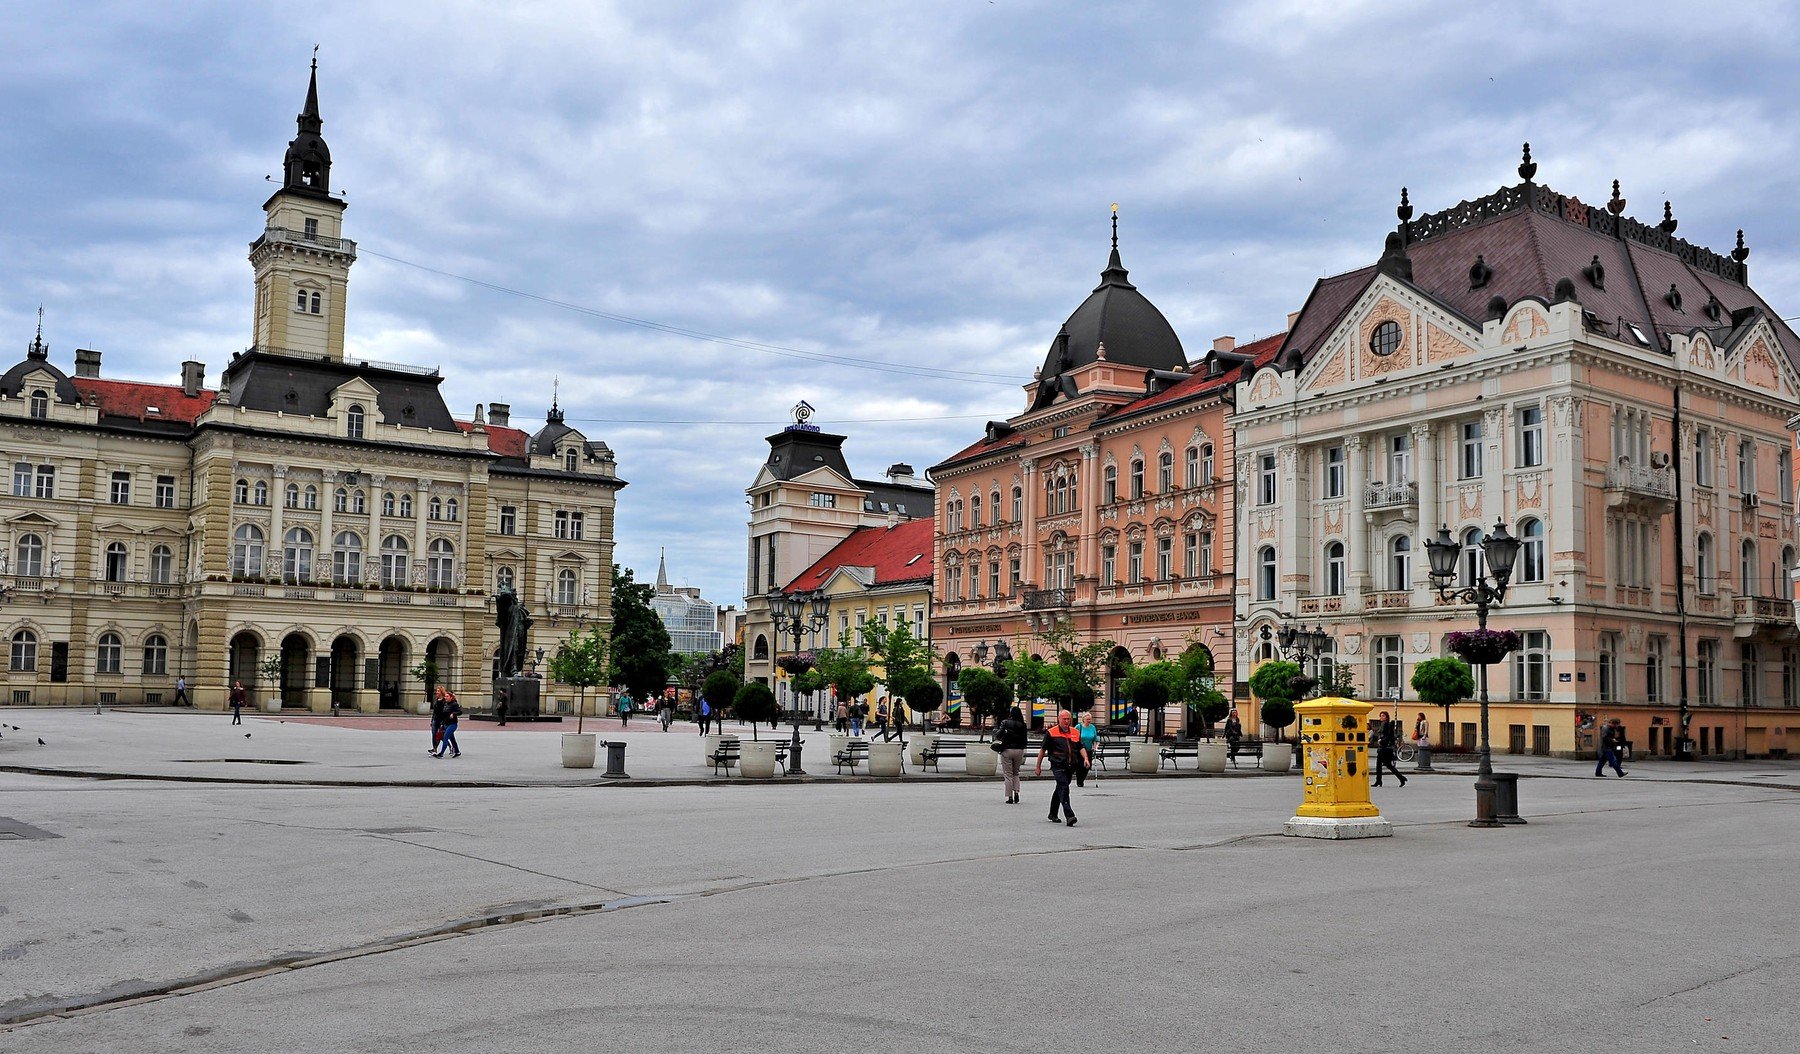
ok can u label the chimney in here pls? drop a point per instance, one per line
(480, 419)
(1293, 316)
(499, 414)
(193, 376)
(900, 472)
(87, 362)
(1224, 343)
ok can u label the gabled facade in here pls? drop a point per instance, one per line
(1614, 395)
(316, 527)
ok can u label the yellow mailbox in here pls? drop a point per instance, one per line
(1334, 737)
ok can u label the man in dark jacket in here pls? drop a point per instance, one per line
(1387, 747)
(1612, 742)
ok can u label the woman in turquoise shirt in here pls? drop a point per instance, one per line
(1088, 735)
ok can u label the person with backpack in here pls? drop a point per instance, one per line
(624, 709)
(859, 711)
(447, 741)
(1062, 744)
(1010, 737)
(705, 715)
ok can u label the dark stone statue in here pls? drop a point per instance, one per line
(515, 628)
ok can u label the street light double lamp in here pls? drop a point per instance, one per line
(798, 614)
(1499, 549)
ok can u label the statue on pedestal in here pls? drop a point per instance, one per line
(515, 627)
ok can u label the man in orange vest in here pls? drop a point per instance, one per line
(1063, 745)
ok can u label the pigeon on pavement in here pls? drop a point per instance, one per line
(41, 742)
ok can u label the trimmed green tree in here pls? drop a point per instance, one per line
(1443, 681)
(985, 693)
(906, 661)
(754, 703)
(1151, 687)
(1206, 705)
(581, 662)
(719, 688)
(925, 697)
(1274, 683)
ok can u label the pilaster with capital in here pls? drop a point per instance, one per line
(1496, 503)
(1356, 458)
(1289, 561)
(277, 551)
(1088, 488)
(1425, 472)
(1566, 510)
(1029, 558)
(327, 506)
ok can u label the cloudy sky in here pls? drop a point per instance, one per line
(884, 208)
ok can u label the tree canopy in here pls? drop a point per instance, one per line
(754, 703)
(581, 662)
(906, 661)
(1443, 681)
(641, 654)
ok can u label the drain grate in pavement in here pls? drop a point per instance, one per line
(242, 761)
(12, 830)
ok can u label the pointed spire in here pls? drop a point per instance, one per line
(1115, 272)
(1405, 211)
(309, 115)
(555, 416)
(1527, 167)
(308, 162)
(662, 570)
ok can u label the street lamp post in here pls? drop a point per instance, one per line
(1499, 549)
(1002, 653)
(798, 613)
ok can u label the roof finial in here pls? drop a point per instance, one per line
(1115, 223)
(1617, 205)
(39, 351)
(1669, 222)
(1115, 269)
(1405, 211)
(1527, 167)
(1740, 254)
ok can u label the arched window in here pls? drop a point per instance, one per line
(1191, 466)
(1531, 566)
(975, 510)
(346, 558)
(1018, 512)
(315, 303)
(162, 565)
(1137, 478)
(1747, 576)
(291, 496)
(311, 500)
(259, 494)
(440, 564)
(29, 553)
(571, 460)
(1473, 562)
(761, 649)
(1109, 484)
(388, 505)
(565, 586)
(156, 655)
(240, 492)
(109, 653)
(435, 510)
(451, 510)
(1705, 573)
(247, 551)
(1207, 474)
(1334, 569)
(393, 561)
(504, 579)
(359, 502)
(40, 403)
(999, 515)
(296, 555)
(406, 506)
(115, 561)
(300, 300)
(24, 651)
(353, 421)
(1265, 573)
(1400, 563)
(340, 500)
(1165, 471)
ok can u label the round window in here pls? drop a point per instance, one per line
(1386, 338)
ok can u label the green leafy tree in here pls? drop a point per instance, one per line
(641, 654)
(1443, 682)
(1152, 687)
(846, 669)
(808, 682)
(1275, 684)
(754, 703)
(581, 662)
(1339, 680)
(925, 697)
(1206, 705)
(906, 661)
(986, 694)
(1077, 669)
(1028, 675)
(426, 673)
(719, 688)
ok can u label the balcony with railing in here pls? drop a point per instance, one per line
(1388, 600)
(284, 236)
(1648, 486)
(1751, 615)
(1047, 599)
(1390, 496)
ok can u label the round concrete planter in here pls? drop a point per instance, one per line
(981, 760)
(1143, 756)
(756, 759)
(709, 745)
(271, 706)
(1212, 757)
(1277, 757)
(884, 758)
(915, 749)
(838, 744)
(422, 708)
(578, 749)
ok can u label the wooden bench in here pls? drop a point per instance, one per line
(724, 757)
(1249, 745)
(1105, 749)
(855, 752)
(1172, 753)
(945, 748)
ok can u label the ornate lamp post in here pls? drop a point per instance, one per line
(1302, 646)
(798, 614)
(1002, 653)
(1499, 549)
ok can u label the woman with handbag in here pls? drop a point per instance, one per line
(1009, 740)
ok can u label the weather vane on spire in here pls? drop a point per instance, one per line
(315, 56)
(1115, 222)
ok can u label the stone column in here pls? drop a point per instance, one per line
(372, 548)
(421, 497)
(1425, 471)
(1356, 525)
(1087, 555)
(277, 506)
(1292, 567)
(327, 505)
(1031, 559)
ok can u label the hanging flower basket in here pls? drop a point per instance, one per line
(798, 663)
(1483, 647)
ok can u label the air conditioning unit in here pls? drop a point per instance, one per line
(1659, 459)
(1752, 501)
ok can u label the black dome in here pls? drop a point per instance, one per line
(1117, 315)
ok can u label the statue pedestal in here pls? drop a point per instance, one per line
(521, 695)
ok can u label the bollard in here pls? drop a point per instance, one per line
(1424, 764)
(1506, 797)
(615, 761)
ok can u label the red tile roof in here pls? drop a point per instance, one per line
(901, 553)
(1262, 352)
(134, 399)
(507, 442)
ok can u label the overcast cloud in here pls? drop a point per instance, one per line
(917, 184)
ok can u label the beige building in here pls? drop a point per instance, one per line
(316, 527)
(1616, 396)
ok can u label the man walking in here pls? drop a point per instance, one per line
(1387, 747)
(858, 710)
(705, 715)
(237, 702)
(1612, 741)
(437, 720)
(881, 719)
(1062, 744)
(666, 713)
(181, 698)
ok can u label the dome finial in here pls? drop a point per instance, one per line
(1115, 272)
(1405, 211)
(39, 351)
(1115, 225)
(1527, 167)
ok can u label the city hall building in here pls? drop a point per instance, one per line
(1615, 396)
(320, 528)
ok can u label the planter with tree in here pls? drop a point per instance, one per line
(1278, 684)
(581, 662)
(1206, 706)
(719, 689)
(426, 673)
(755, 703)
(1150, 688)
(988, 699)
(270, 670)
(923, 698)
(1442, 682)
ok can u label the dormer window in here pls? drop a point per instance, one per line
(570, 460)
(40, 403)
(353, 421)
